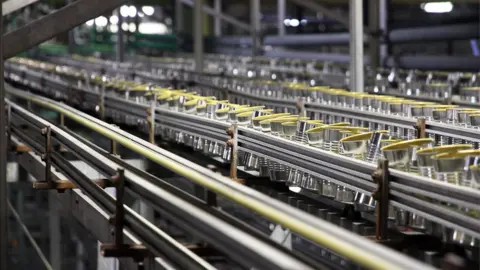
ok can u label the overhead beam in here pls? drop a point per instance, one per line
(313, 5)
(55, 23)
(397, 36)
(14, 5)
(212, 12)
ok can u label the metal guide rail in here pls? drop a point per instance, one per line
(338, 169)
(146, 68)
(316, 110)
(363, 252)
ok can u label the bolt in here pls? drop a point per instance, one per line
(44, 131)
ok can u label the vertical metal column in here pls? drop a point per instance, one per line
(198, 35)
(217, 22)
(356, 46)
(3, 162)
(281, 7)
(255, 25)
(120, 38)
(179, 17)
(374, 40)
(71, 36)
(383, 25)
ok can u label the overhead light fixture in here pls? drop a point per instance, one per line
(101, 21)
(294, 22)
(125, 26)
(113, 28)
(114, 19)
(124, 10)
(286, 22)
(90, 23)
(132, 27)
(132, 11)
(152, 28)
(437, 7)
(148, 10)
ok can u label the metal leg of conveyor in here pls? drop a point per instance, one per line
(54, 229)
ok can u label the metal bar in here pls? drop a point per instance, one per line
(414, 34)
(373, 25)
(210, 11)
(3, 164)
(119, 209)
(29, 237)
(437, 62)
(255, 26)
(383, 26)
(14, 5)
(54, 231)
(55, 23)
(179, 17)
(198, 35)
(120, 46)
(217, 22)
(315, 6)
(356, 46)
(281, 7)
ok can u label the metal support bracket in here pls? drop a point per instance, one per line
(62, 185)
(381, 177)
(301, 106)
(102, 100)
(118, 249)
(233, 143)
(46, 157)
(151, 120)
(420, 127)
(113, 145)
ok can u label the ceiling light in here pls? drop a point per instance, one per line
(101, 21)
(132, 11)
(89, 23)
(113, 28)
(125, 26)
(437, 7)
(152, 28)
(294, 22)
(114, 19)
(132, 27)
(286, 22)
(148, 10)
(124, 11)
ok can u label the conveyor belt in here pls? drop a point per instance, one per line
(323, 164)
(339, 169)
